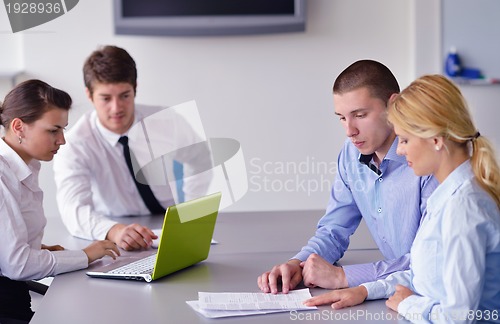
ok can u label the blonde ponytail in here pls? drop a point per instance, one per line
(485, 167)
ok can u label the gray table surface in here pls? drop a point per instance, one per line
(249, 244)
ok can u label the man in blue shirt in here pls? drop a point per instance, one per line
(456, 254)
(372, 182)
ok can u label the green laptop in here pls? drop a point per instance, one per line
(185, 240)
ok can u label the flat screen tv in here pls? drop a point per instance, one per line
(208, 17)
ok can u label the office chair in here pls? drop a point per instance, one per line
(37, 287)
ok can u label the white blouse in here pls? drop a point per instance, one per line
(23, 221)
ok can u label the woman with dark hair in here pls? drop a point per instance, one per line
(34, 116)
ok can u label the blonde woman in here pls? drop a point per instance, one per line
(455, 258)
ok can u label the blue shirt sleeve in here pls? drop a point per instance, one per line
(340, 221)
(357, 274)
(385, 288)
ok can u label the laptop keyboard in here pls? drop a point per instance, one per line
(141, 266)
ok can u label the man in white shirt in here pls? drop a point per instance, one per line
(92, 176)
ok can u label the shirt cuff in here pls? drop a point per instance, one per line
(101, 231)
(359, 273)
(70, 260)
(302, 255)
(375, 289)
(404, 307)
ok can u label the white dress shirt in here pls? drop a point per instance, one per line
(93, 180)
(23, 221)
(455, 258)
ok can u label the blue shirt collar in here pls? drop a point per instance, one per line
(391, 155)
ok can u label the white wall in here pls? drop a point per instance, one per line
(11, 60)
(270, 92)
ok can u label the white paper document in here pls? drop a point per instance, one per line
(254, 301)
(209, 313)
(226, 304)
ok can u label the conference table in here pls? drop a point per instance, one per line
(249, 243)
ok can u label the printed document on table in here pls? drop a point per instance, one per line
(254, 301)
(209, 313)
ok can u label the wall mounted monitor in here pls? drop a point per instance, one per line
(208, 17)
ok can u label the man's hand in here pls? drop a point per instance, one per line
(317, 272)
(131, 237)
(401, 293)
(290, 274)
(340, 298)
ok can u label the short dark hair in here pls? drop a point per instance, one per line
(367, 74)
(109, 64)
(29, 100)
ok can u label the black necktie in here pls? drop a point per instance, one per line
(144, 190)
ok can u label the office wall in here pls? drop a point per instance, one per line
(270, 92)
(10, 55)
(476, 39)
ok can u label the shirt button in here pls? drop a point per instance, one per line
(380, 179)
(379, 210)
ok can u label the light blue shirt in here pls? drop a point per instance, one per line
(455, 258)
(391, 203)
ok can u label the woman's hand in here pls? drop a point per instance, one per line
(52, 247)
(340, 298)
(401, 293)
(98, 249)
